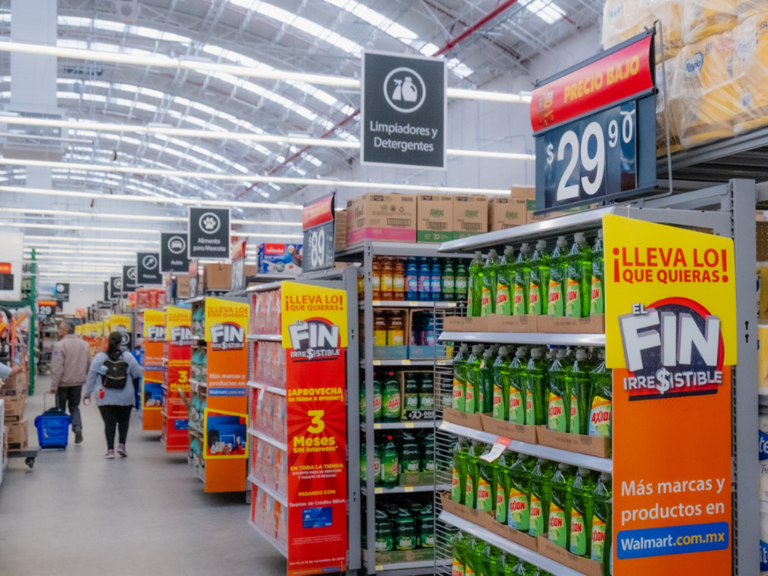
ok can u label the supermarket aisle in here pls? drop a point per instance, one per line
(77, 514)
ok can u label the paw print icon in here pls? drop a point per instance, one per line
(210, 223)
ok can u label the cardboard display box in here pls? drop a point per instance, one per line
(463, 419)
(564, 325)
(509, 430)
(582, 444)
(470, 215)
(416, 479)
(18, 435)
(465, 324)
(506, 213)
(182, 286)
(340, 234)
(435, 218)
(400, 556)
(16, 385)
(218, 276)
(582, 565)
(382, 217)
(14, 408)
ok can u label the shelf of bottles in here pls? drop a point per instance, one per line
(405, 293)
(526, 407)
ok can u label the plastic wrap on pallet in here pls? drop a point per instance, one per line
(671, 66)
(623, 19)
(751, 70)
(748, 8)
(705, 18)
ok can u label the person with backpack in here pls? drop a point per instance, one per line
(111, 378)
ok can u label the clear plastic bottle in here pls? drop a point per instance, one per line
(376, 278)
(579, 280)
(398, 279)
(581, 512)
(425, 287)
(473, 472)
(462, 281)
(458, 401)
(560, 507)
(411, 280)
(558, 271)
(474, 383)
(475, 287)
(601, 399)
(486, 487)
(501, 385)
(519, 511)
(486, 382)
(539, 288)
(601, 523)
(560, 384)
(449, 281)
(435, 280)
(387, 279)
(517, 386)
(490, 283)
(459, 474)
(522, 281)
(541, 496)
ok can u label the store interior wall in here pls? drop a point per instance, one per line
(80, 295)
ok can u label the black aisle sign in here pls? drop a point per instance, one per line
(173, 252)
(595, 128)
(115, 287)
(62, 292)
(404, 120)
(129, 279)
(209, 233)
(148, 269)
(318, 219)
(106, 290)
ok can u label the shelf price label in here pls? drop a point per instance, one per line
(318, 218)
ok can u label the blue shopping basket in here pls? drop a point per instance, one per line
(53, 429)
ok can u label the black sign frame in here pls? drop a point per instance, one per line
(129, 278)
(115, 287)
(210, 233)
(148, 269)
(62, 291)
(319, 242)
(174, 252)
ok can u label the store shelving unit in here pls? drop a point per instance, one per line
(363, 254)
(152, 329)
(713, 209)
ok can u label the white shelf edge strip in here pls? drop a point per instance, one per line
(266, 337)
(553, 454)
(555, 568)
(268, 388)
(525, 338)
(268, 439)
(272, 540)
(271, 491)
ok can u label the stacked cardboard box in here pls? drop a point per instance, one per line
(14, 394)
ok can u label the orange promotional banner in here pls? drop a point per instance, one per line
(671, 342)
(226, 325)
(154, 338)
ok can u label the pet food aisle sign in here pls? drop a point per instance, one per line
(314, 322)
(671, 342)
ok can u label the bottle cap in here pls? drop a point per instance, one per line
(503, 351)
(464, 347)
(600, 233)
(605, 476)
(541, 245)
(562, 242)
(581, 354)
(525, 248)
(579, 238)
(535, 352)
(561, 353)
(562, 466)
(509, 251)
(488, 353)
(492, 253)
(520, 353)
(477, 349)
(584, 471)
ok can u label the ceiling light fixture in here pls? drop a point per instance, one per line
(57, 239)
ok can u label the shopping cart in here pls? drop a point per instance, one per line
(53, 429)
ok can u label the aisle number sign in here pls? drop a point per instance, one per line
(318, 219)
(671, 342)
(315, 339)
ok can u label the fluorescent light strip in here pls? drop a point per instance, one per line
(264, 235)
(83, 258)
(250, 178)
(159, 61)
(57, 239)
(45, 252)
(70, 227)
(33, 211)
(218, 135)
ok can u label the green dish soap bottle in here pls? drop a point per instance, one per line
(506, 283)
(601, 523)
(390, 465)
(486, 381)
(475, 287)
(490, 283)
(597, 299)
(458, 553)
(518, 378)
(503, 485)
(475, 557)
(519, 510)
(459, 396)
(472, 399)
(541, 496)
(522, 281)
(486, 485)
(539, 287)
(558, 271)
(501, 385)
(537, 390)
(560, 506)
(560, 381)
(581, 392)
(581, 512)
(579, 281)
(601, 402)
(461, 284)
(473, 475)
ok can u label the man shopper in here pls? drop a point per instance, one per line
(70, 362)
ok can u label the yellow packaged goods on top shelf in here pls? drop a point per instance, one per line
(748, 8)
(623, 19)
(705, 18)
(751, 69)
(704, 90)
(674, 111)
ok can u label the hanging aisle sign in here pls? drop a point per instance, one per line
(318, 219)
(595, 128)
(148, 269)
(173, 252)
(115, 287)
(62, 292)
(671, 342)
(129, 279)
(209, 233)
(314, 328)
(404, 121)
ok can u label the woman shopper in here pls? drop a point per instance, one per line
(111, 375)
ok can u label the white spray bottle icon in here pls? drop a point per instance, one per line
(397, 95)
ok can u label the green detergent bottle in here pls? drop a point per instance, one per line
(541, 496)
(521, 568)
(558, 272)
(519, 508)
(522, 281)
(506, 283)
(461, 284)
(601, 523)
(475, 557)
(518, 378)
(501, 385)
(579, 281)
(458, 554)
(601, 399)
(493, 563)
(490, 283)
(390, 465)
(559, 405)
(459, 473)
(581, 392)
(560, 506)
(475, 288)
(405, 531)
(473, 475)
(503, 485)
(486, 484)
(486, 380)
(581, 512)
(458, 399)
(537, 389)
(385, 540)
(597, 299)
(472, 399)
(539, 287)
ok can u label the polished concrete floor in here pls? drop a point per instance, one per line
(77, 514)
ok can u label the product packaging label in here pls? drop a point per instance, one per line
(469, 494)
(600, 417)
(555, 301)
(455, 486)
(598, 539)
(485, 303)
(578, 533)
(484, 502)
(557, 528)
(516, 407)
(503, 303)
(457, 568)
(556, 417)
(537, 517)
(498, 403)
(519, 510)
(572, 299)
(534, 301)
(530, 413)
(519, 299)
(501, 511)
(597, 301)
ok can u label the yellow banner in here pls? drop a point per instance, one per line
(178, 324)
(79, 330)
(226, 322)
(302, 302)
(120, 324)
(154, 325)
(651, 265)
(98, 329)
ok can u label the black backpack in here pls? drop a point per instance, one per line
(117, 373)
